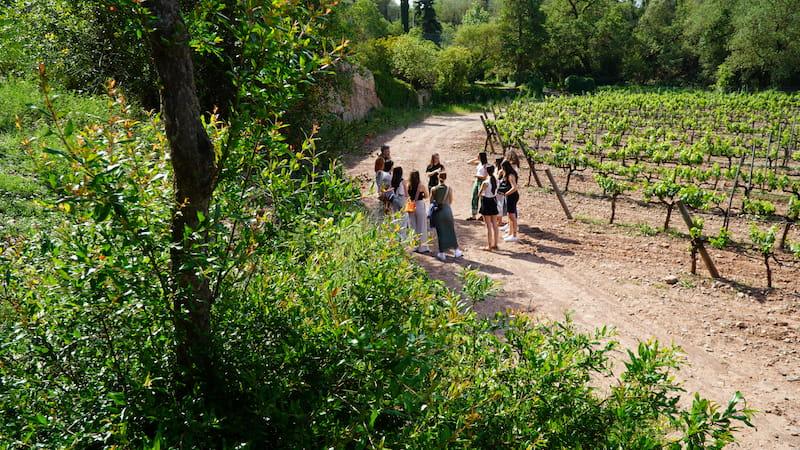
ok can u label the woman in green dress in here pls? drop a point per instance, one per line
(442, 219)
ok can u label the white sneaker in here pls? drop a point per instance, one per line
(441, 256)
(504, 227)
(510, 239)
(458, 253)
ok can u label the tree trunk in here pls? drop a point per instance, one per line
(193, 163)
(769, 272)
(694, 259)
(785, 234)
(669, 215)
(613, 209)
(404, 15)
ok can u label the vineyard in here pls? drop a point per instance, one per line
(733, 158)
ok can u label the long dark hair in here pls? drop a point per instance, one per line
(490, 171)
(413, 183)
(508, 169)
(387, 166)
(482, 158)
(397, 177)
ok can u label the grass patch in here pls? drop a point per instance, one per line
(21, 117)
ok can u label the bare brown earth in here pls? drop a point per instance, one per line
(736, 336)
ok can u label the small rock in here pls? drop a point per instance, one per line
(741, 325)
(740, 295)
(670, 279)
(782, 324)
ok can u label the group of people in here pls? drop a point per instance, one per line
(425, 205)
(495, 195)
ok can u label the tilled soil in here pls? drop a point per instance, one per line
(735, 334)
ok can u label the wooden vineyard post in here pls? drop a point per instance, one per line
(712, 269)
(500, 139)
(726, 222)
(489, 134)
(750, 178)
(558, 193)
(789, 145)
(531, 164)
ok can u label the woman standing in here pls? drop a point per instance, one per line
(418, 214)
(480, 177)
(433, 170)
(488, 191)
(397, 193)
(397, 196)
(383, 181)
(501, 195)
(379, 163)
(511, 179)
(442, 218)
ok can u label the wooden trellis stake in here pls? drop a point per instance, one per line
(531, 164)
(558, 193)
(726, 222)
(712, 269)
(489, 134)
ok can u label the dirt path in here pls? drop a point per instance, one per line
(604, 275)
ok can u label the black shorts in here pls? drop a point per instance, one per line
(511, 203)
(488, 206)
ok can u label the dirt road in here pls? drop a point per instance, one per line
(611, 275)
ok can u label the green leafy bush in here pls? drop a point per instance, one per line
(477, 287)
(394, 93)
(375, 54)
(579, 85)
(414, 61)
(452, 67)
(483, 42)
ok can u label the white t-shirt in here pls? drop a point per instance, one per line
(481, 171)
(487, 188)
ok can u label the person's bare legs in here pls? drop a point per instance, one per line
(513, 225)
(496, 226)
(489, 231)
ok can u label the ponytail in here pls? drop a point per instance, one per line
(490, 171)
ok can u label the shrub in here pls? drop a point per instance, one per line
(375, 54)
(452, 67)
(534, 87)
(483, 42)
(414, 61)
(579, 85)
(394, 93)
(362, 21)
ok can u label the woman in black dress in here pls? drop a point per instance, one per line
(433, 170)
(488, 192)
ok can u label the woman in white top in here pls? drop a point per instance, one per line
(488, 191)
(480, 177)
(383, 182)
